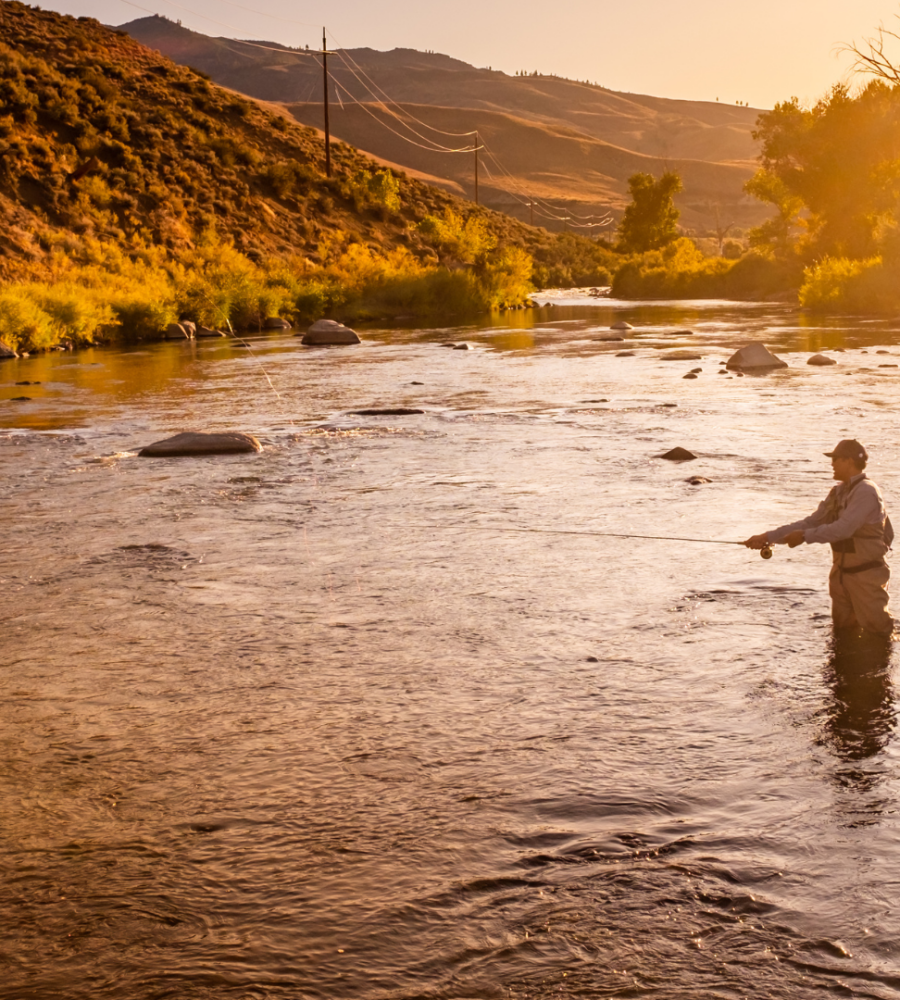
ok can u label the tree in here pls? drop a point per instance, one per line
(649, 222)
(840, 160)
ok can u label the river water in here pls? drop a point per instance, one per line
(308, 724)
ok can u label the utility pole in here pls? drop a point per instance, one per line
(476, 168)
(531, 207)
(325, 90)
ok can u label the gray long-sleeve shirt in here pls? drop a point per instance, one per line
(863, 505)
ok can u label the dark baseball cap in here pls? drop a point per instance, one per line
(848, 448)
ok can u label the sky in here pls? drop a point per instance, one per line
(758, 53)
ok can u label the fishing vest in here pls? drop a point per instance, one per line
(835, 503)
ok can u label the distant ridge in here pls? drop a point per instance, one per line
(570, 143)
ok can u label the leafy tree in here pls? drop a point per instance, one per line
(841, 160)
(649, 222)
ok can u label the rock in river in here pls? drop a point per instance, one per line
(277, 323)
(393, 411)
(621, 325)
(191, 443)
(328, 332)
(6, 351)
(681, 356)
(678, 455)
(754, 355)
(177, 331)
(205, 331)
(697, 480)
(821, 359)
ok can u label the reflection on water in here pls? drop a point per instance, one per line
(303, 724)
(861, 718)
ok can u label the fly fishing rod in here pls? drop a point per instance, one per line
(765, 552)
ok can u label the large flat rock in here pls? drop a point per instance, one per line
(195, 443)
(329, 333)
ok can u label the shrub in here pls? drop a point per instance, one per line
(23, 324)
(837, 284)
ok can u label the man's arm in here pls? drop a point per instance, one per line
(863, 507)
(791, 534)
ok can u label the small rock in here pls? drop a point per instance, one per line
(820, 359)
(689, 375)
(608, 340)
(696, 371)
(21, 399)
(6, 351)
(879, 352)
(755, 355)
(888, 366)
(722, 372)
(205, 331)
(681, 356)
(191, 443)
(839, 350)
(446, 345)
(176, 331)
(668, 404)
(697, 480)
(863, 352)
(682, 333)
(417, 383)
(328, 332)
(462, 347)
(277, 323)
(395, 411)
(678, 455)
(624, 354)
(28, 383)
(592, 659)
(621, 325)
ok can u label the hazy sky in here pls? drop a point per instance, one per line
(759, 52)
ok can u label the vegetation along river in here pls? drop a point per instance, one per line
(303, 724)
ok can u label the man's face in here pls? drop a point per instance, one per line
(844, 469)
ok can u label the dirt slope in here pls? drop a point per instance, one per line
(535, 123)
(103, 137)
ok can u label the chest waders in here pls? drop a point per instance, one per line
(834, 507)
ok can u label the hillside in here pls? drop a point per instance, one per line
(103, 137)
(534, 123)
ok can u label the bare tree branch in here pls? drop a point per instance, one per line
(871, 57)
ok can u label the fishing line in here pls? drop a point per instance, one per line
(765, 552)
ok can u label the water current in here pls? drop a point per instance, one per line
(309, 724)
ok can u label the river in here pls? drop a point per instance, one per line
(309, 724)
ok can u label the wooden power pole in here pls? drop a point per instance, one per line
(325, 90)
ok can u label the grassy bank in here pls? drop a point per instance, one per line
(91, 291)
(681, 271)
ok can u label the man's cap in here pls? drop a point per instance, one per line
(848, 448)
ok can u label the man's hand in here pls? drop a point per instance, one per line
(796, 538)
(757, 541)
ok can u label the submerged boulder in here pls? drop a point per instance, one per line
(681, 356)
(754, 355)
(821, 359)
(621, 325)
(387, 411)
(328, 332)
(624, 354)
(196, 443)
(678, 455)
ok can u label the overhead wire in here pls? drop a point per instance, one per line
(344, 55)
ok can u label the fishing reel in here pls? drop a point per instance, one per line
(766, 551)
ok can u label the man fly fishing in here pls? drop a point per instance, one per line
(852, 519)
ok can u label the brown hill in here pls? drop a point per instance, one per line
(534, 124)
(102, 137)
